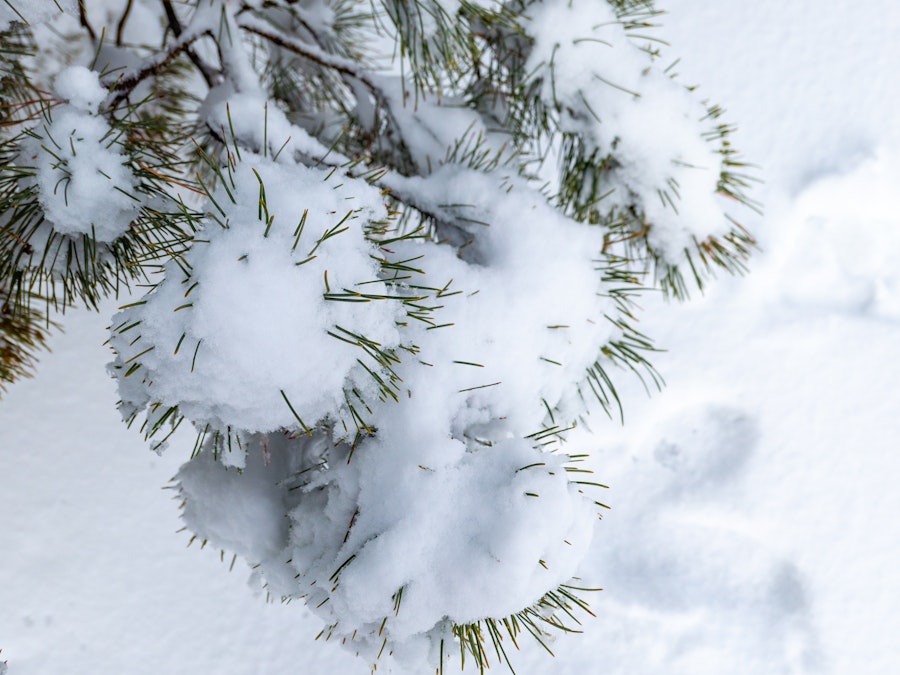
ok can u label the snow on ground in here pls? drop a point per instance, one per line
(753, 528)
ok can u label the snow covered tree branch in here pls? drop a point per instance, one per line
(392, 250)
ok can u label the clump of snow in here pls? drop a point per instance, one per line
(431, 130)
(236, 115)
(240, 510)
(81, 88)
(471, 534)
(608, 90)
(84, 185)
(253, 330)
(533, 306)
(482, 521)
(476, 535)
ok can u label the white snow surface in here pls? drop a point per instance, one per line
(752, 527)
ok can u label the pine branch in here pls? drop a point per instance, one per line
(82, 16)
(349, 71)
(310, 52)
(123, 20)
(125, 83)
(439, 263)
(209, 74)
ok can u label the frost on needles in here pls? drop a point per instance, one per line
(383, 257)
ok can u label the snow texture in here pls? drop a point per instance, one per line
(243, 334)
(484, 523)
(16, 11)
(448, 546)
(395, 402)
(84, 184)
(720, 553)
(852, 274)
(81, 88)
(609, 91)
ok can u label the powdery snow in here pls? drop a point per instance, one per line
(81, 88)
(184, 345)
(751, 528)
(83, 184)
(484, 523)
(597, 71)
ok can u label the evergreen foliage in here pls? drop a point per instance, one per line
(387, 254)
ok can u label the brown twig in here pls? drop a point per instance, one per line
(120, 29)
(349, 70)
(306, 50)
(82, 16)
(127, 82)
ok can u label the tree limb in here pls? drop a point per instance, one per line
(349, 70)
(125, 84)
(209, 75)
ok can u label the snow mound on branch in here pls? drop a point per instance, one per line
(476, 534)
(241, 511)
(454, 511)
(246, 332)
(534, 305)
(84, 184)
(609, 92)
(235, 117)
(81, 88)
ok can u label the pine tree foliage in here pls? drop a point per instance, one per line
(22, 334)
(382, 256)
